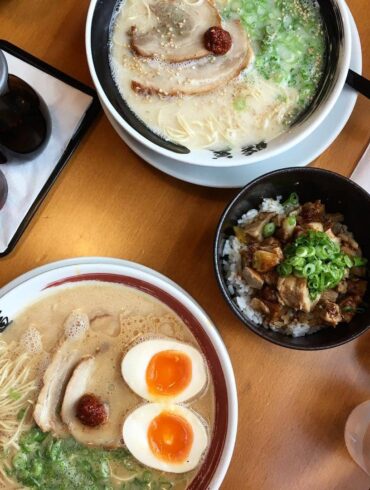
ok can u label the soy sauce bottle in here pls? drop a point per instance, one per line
(24, 118)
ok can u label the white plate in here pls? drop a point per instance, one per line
(299, 156)
(33, 285)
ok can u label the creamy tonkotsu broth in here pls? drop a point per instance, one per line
(277, 80)
(119, 318)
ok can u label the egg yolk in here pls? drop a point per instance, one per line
(168, 373)
(170, 437)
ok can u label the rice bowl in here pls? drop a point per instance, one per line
(340, 196)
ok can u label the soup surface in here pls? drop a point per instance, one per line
(203, 102)
(120, 318)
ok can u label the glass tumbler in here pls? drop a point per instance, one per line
(357, 435)
(3, 189)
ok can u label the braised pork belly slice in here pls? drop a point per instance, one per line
(54, 382)
(178, 30)
(154, 77)
(57, 375)
(85, 381)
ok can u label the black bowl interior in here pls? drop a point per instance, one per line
(100, 35)
(334, 36)
(100, 41)
(339, 195)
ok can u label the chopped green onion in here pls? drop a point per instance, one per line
(319, 259)
(37, 468)
(104, 470)
(359, 261)
(268, 230)
(297, 262)
(55, 449)
(293, 200)
(321, 253)
(348, 309)
(301, 251)
(328, 250)
(311, 251)
(14, 395)
(66, 464)
(309, 269)
(314, 295)
(292, 220)
(239, 104)
(147, 476)
(289, 42)
(21, 414)
(20, 461)
(314, 283)
(284, 269)
(318, 265)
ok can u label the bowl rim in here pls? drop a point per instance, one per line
(260, 331)
(198, 157)
(171, 288)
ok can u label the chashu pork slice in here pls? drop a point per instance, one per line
(201, 76)
(57, 374)
(108, 434)
(177, 34)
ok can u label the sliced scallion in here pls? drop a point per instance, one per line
(293, 200)
(301, 251)
(284, 269)
(319, 259)
(309, 270)
(268, 230)
(292, 220)
(359, 261)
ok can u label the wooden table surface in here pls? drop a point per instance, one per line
(108, 202)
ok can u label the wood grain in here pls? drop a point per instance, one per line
(108, 202)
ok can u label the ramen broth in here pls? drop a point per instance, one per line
(287, 38)
(119, 316)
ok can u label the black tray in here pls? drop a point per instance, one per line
(86, 122)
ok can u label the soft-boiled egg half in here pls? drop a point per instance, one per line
(170, 438)
(164, 370)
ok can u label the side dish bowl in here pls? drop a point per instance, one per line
(69, 273)
(338, 41)
(340, 195)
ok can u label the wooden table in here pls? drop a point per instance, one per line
(108, 202)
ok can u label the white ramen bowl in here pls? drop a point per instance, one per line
(98, 27)
(45, 280)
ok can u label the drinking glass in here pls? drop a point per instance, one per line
(3, 189)
(357, 435)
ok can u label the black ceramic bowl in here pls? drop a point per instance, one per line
(339, 194)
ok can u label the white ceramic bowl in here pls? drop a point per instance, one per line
(32, 286)
(97, 46)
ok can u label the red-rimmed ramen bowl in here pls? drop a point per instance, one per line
(43, 281)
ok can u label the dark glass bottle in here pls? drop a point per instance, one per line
(24, 118)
